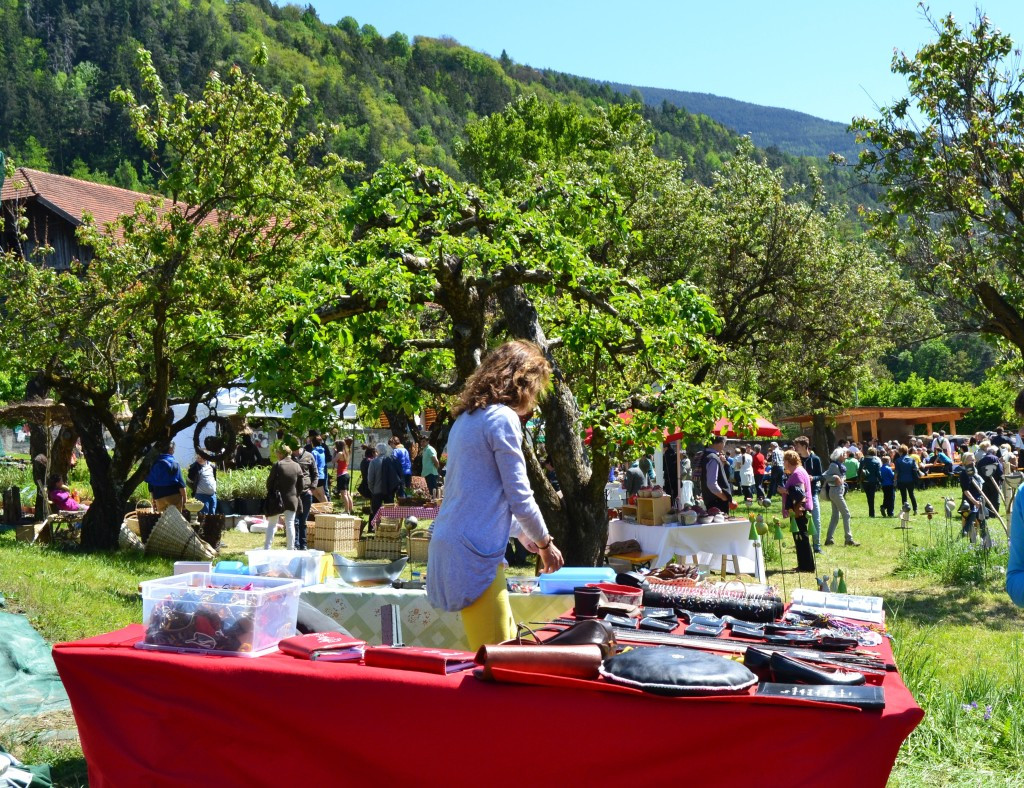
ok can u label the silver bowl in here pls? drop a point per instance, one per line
(362, 573)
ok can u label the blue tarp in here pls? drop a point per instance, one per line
(29, 684)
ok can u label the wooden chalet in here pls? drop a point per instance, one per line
(886, 424)
(55, 206)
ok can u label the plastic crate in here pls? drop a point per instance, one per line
(301, 565)
(568, 578)
(230, 615)
(335, 533)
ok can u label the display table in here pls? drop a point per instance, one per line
(401, 512)
(153, 719)
(358, 610)
(708, 542)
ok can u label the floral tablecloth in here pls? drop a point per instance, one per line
(358, 610)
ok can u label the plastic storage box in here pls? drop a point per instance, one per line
(302, 565)
(567, 578)
(230, 615)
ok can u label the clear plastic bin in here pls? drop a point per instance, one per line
(230, 615)
(302, 565)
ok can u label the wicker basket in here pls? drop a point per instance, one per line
(147, 520)
(173, 537)
(419, 543)
(321, 507)
(335, 533)
(376, 547)
(129, 540)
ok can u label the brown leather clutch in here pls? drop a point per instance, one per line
(579, 662)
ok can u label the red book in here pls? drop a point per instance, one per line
(426, 660)
(324, 646)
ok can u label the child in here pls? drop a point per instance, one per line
(60, 496)
(888, 479)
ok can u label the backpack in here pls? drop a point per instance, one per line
(700, 463)
(193, 476)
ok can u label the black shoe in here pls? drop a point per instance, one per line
(829, 543)
(789, 670)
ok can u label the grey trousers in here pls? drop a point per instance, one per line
(838, 500)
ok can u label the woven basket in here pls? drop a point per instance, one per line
(128, 540)
(376, 547)
(131, 522)
(335, 533)
(419, 544)
(321, 507)
(211, 527)
(147, 521)
(173, 537)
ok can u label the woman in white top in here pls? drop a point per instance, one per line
(747, 475)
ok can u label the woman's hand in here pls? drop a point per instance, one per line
(552, 558)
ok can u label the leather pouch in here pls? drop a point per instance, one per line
(578, 662)
(587, 632)
(667, 670)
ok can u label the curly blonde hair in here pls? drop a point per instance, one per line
(514, 374)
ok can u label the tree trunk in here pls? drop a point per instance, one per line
(823, 437)
(102, 522)
(62, 450)
(579, 519)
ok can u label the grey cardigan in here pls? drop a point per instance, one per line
(487, 498)
(286, 477)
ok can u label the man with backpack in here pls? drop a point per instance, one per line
(714, 476)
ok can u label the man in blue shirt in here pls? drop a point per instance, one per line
(166, 484)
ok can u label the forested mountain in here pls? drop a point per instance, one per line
(392, 98)
(793, 132)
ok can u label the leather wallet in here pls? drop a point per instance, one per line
(657, 624)
(578, 662)
(621, 621)
(659, 612)
(747, 631)
(705, 630)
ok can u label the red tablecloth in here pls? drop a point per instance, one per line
(153, 719)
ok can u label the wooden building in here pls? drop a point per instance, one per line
(887, 424)
(55, 206)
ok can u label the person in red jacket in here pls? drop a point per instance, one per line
(758, 463)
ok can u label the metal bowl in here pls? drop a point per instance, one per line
(362, 573)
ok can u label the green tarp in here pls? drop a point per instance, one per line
(29, 684)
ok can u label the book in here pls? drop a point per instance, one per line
(865, 696)
(323, 646)
(426, 660)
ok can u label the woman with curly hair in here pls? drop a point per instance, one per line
(487, 494)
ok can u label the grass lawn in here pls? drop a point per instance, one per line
(956, 644)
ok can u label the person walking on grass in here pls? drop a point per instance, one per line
(887, 481)
(870, 469)
(907, 472)
(835, 485)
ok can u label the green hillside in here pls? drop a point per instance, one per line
(392, 98)
(793, 132)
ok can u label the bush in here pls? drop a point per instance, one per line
(955, 561)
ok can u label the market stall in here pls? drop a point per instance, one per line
(164, 719)
(358, 610)
(708, 542)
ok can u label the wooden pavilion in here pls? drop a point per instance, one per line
(887, 423)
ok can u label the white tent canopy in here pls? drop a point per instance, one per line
(229, 402)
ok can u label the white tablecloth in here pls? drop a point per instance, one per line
(708, 542)
(358, 610)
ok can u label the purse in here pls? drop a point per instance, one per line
(273, 503)
(588, 632)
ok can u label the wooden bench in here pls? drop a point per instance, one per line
(935, 477)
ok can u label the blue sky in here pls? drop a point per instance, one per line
(825, 58)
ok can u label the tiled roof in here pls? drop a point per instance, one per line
(73, 197)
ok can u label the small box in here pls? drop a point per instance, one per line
(379, 547)
(229, 615)
(302, 565)
(568, 578)
(335, 533)
(184, 567)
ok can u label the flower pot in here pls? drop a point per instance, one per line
(225, 506)
(250, 506)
